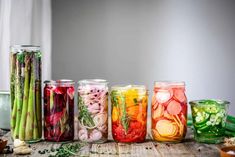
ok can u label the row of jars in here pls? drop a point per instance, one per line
(129, 107)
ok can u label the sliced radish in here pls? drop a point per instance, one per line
(166, 128)
(179, 95)
(163, 96)
(174, 107)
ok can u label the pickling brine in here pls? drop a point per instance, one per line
(93, 110)
(59, 110)
(209, 117)
(129, 113)
(25, 87)
(169, 111)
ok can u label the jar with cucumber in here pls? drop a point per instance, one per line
(209, 119)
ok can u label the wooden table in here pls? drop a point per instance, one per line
(188, 148)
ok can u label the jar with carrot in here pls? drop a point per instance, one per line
(129, 113)
(169, 112)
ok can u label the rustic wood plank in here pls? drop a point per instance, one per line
(106, 149)
(149, 148)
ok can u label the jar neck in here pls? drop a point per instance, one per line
(59, 82)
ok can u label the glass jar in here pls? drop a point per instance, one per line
(5, 108)
(169, 112)
(59, 110)
(209, 118)
(25, 90)
(93, 110)
(129, 113)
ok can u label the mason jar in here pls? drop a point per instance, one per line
(59, 110)
(129, 113)
(25, 91)
(93, 110)
(169, 112)
(209, 119)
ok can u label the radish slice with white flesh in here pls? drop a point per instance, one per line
(163, 96)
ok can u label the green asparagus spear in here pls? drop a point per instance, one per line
(12, 84)
(38, 92)
(19, 93)
(30, 110)
(25, 98)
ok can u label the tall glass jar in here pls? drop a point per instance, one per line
(25, 88)
(169, 111)
(129, 113)
(59, 110)
(93, 110)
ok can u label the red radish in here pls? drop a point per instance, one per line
(174, 107)
(164, 95)
(179, 95)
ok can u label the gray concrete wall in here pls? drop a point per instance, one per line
(140, 41)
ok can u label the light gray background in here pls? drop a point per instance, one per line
(140, 41)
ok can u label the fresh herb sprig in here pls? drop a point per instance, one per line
(84, 114)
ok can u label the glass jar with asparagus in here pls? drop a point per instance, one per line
(25, 88)
(169, 112)
(129, 113)
(209, 118)
(93, 110)
(59, 110)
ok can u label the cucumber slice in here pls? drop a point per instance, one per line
(212, 109)
(201, 117)
(204, 128)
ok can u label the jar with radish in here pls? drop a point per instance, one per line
(59, 110)
(93, 110)
(129, 113)
(25, 91)
(169, 111)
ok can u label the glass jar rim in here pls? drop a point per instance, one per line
(93, 81)
(126, 87)
(168, 83)
(201, 103)
(59, 82)
(17, 48)
(4, 92)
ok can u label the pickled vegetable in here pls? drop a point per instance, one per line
(59, 110)
(209, 118)
(93, 111)
(169, 112)
(129, 113)
(25, 87)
